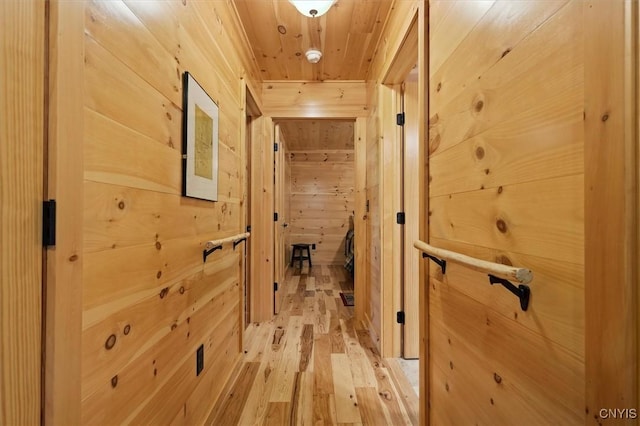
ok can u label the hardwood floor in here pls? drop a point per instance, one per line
(313, 365)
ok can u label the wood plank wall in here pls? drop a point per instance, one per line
(314, 99)
(322, 201)
(22, 64)
(148, 300)
(507, 185)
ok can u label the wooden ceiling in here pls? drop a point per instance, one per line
(347, 35)
(317, 135)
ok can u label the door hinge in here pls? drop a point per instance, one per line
(275, 217)
(49, 223)
(400, 119)
(400, 219)
(249, 228)
(275, 147)
(400, 317)
(275, 286)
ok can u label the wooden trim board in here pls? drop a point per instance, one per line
(65, 180)
(22, 126)
(611, 211)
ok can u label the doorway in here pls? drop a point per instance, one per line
(315, 194)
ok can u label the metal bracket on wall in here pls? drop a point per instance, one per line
(522, 291)
(440, 262)
(206, 253)
(235, 243)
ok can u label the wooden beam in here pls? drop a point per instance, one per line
(63, 323)
(611, 209)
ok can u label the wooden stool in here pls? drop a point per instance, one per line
(300, 256)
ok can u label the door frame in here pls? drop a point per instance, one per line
(252, 111)
(23, 171)
(391, 189)
(612, 180)
(65, 184)
(279, 239)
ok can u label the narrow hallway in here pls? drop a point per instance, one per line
(313, 365)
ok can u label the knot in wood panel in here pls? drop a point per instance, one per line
(110, 342)
(497, 378)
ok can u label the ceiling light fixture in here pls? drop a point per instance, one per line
(313, 55)
(312, 8)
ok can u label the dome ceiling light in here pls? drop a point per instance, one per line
(313, 55)
(312, 8)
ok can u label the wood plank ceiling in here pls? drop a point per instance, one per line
(347, 35)
(317, 135)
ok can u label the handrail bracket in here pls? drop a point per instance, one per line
(440, 262)
(522, 291)
(235, 243)
(206, 253)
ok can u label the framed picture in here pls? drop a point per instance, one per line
(199, 142)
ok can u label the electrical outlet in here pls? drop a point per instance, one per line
(199, 360)
(313, 246)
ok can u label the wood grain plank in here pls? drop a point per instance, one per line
(371, 411)
(611, 207)
(118, 29)
(314, 99)
(234, 402)
(22, 152)
(557, 308)
(344, 390)
(289, 362)
(64, 279)
(514, 86)
(502, 343)
(510, 218)
(485, 45)
(450, 23)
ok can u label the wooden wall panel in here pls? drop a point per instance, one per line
(318, 135)
(322, 202)
(148, 299)
(22, 65)
(306, 99)
(506, 184)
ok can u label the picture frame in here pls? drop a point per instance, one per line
(200, 115)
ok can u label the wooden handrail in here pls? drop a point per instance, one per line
(520, 275)
(213, 243)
